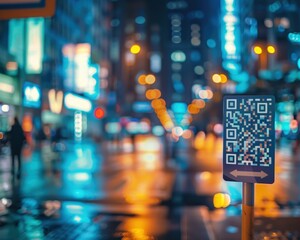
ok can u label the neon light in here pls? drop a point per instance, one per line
(5, 108)
(76, 102)
(55, 101)
(294, 37)
(78, 125)
(32, 95)
(81, 60)
(35, 40)
(230, 34)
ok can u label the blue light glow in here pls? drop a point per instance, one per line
(294, 37)
(211, 43)
(155, 62)
(140, 20)
(158, 130)
(230, 33)
(195, 56)
(179, 107)
(77, 219)
(80, 176)
(242, 87)
(93, 87)
(32, 95)
(142, 107)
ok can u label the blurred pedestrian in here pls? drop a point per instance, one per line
(16, 138)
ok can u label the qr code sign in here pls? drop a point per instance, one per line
(249, 135)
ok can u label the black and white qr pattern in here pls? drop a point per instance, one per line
(247, 131)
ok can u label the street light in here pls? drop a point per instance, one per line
(263, 59)
(271, 49)
(135, 49)
(257, 50)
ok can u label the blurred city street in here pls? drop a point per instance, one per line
(112, 190)
(149, 120)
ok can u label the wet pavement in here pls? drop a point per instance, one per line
(107, 191)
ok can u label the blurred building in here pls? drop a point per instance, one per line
(63, 65)
(10, 95)
(278, 68)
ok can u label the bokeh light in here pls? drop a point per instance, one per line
(135, 49)
(271, 49)
(216, 78)
(150, 79)
(257, 50)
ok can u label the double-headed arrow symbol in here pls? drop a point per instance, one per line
(237, 173)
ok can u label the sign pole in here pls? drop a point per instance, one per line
(248, 211)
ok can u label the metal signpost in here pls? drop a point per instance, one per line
(26, 8)
(248, 147)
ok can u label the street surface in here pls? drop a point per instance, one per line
(112, 190)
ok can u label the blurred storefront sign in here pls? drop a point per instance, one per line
(76, 102)
(93, 85)
(27, 36)
(55, 99)
(9, 91)
(26, 8)
(35, 45)
(32, 95)
(80, 75)
(16, 40)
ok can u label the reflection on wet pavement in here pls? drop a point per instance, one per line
(89, 191)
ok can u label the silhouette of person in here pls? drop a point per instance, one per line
(16, 138)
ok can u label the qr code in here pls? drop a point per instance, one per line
(248, 131)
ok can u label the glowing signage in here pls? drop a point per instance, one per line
(16, 39)
(294, 37)
(7, 88)
(78, 70)
(230, 32)
(55, 100)
(77, 102)
(35, 45)
(68, 56)
(9, 92)
(32, 95)
(78, 125)
(93, 85)
(82, 59)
